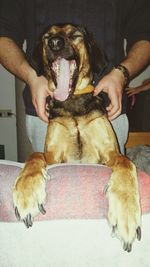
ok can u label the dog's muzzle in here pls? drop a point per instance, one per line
(64, 72)
(63, 66)
(56, 43)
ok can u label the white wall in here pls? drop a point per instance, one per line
(8, 135)
(24, 146)
(140, 78)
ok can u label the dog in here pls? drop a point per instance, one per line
(78, 131)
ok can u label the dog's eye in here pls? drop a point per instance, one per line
(74, 36)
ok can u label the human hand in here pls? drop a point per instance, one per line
(136, 90)
(40, 91)
(112, 84)
(133, 91)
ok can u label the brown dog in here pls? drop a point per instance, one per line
(78, 131)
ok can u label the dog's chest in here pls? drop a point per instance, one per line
(75, 141)
(76, 122)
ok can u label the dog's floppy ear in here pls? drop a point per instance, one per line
(36, 61)
(98, 60)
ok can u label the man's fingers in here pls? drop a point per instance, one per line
(114, 116)
(40, 91)
(108, 108)
(98, 89)
(41, 110)
(129, 92)
(42, 115)
(113, 112)
(114, 109)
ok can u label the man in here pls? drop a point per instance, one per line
(110, 21)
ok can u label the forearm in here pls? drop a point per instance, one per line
(138, 58)
(114, 83)
(13, 59)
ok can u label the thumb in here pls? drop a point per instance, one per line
(41, 110)
(99, 87)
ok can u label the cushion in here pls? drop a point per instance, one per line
(75, 191)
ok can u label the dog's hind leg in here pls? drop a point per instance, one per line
(124, 213)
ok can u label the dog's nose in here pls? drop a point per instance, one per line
(56, 43)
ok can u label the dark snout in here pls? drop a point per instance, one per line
(56, 43)
(58, 46)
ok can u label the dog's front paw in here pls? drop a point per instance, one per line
(29, 195)
(124, 215)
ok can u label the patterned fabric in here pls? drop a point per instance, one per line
(73, 192)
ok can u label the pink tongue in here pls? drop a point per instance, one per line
(62, 91)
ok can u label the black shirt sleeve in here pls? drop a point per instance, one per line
(137, 22)
(12, 24)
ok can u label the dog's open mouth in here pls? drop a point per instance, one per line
(63, 72)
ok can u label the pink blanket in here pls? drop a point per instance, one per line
(75, 192)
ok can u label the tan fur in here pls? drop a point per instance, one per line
(86, 139)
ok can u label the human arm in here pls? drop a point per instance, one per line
(13, 32)
(113, 83)
(14, 60)
(136, 90)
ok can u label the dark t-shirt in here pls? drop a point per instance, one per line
(110, 21)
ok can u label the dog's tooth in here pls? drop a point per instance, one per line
(55, 67)
(72, 67)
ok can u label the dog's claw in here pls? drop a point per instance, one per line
(113, 233)
(138, 232)
(29, 218)
(17, 214)
(28, 221)
(127, 247)
(106, 189)
(41, 208)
